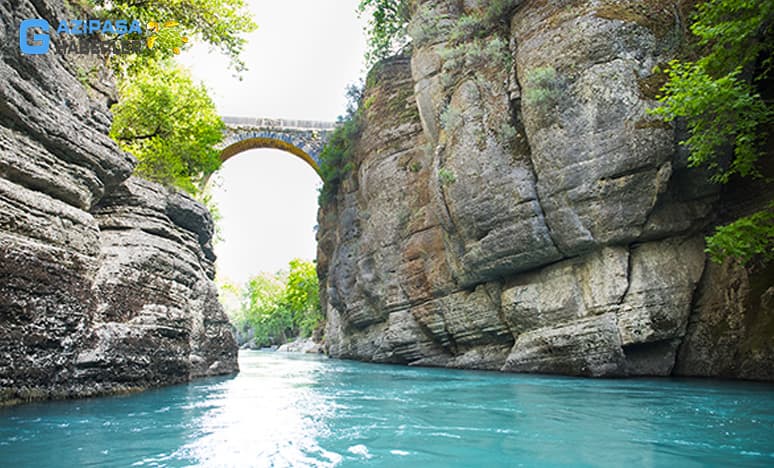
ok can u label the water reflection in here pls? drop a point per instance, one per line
(279, 419)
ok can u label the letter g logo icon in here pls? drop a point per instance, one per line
(45, 40)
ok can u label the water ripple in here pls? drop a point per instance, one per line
(298, 411)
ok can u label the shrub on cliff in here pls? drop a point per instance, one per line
(336, 156)
(718, 95)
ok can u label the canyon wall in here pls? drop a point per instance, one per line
(514, 207)
(105, 279)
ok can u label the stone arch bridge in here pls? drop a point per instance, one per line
(302, 138)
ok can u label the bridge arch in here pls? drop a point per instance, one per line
(302, 138)
(265, 142)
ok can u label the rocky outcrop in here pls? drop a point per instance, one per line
(105, 281)
(158, 319)
(301, 345)
(731, 328)
(513, 206)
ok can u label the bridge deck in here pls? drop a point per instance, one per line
(262, 122)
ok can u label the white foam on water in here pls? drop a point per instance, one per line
(361, 450)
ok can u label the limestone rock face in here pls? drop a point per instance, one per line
(157, 317)
(731, 328)
(513, 206)
(105, 281)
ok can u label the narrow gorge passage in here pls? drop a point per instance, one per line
(534, 233)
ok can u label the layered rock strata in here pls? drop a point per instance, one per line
(105, 280)
(514, 207)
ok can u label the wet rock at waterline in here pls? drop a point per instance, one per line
(301, 345)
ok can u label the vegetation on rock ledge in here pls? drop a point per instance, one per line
(336, 157)
(719, 97)
(387, 27)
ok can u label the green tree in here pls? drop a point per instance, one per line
(717, 95)
(231, 298)
(163, 118)
(302, 296)
(220, 23)
(271, 321)
(386, 27)
(280, 306)
(169, 123)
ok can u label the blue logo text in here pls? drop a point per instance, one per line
(41, 42)
(45, 40)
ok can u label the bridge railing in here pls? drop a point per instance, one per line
(263, 122)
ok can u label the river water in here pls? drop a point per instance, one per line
(295, 410)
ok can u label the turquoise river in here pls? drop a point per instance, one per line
(293, 410)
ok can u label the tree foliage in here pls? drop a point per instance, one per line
(280, 306)
(719, 111)
(162, 117)
(717, 95)
(744, 238)
(302, 296)
(220, 23)
(169, 124)
(270, 319)
(386, 27)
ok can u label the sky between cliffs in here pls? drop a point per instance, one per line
(300, 60)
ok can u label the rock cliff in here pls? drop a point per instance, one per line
(105, 280)
(514, 207)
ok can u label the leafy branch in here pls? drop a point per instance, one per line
(718, 96)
